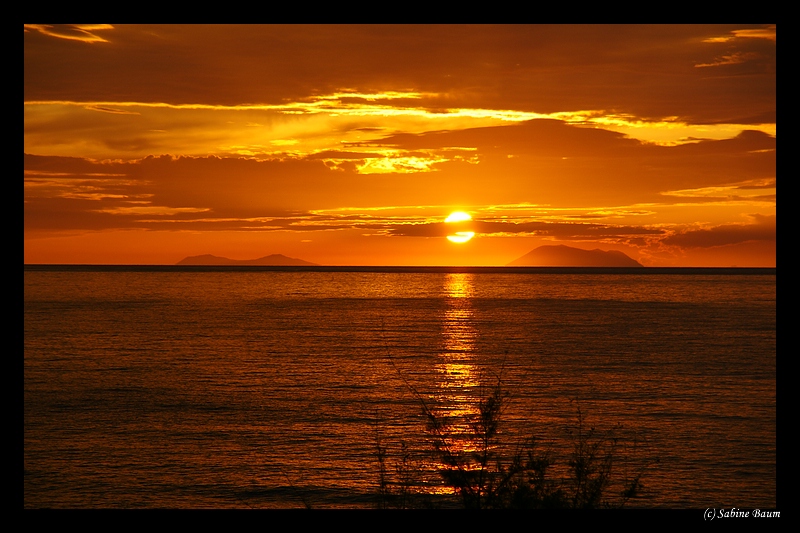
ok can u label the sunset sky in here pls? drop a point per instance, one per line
(351, 145)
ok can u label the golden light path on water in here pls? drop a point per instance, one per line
(456, 369)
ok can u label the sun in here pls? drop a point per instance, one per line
(459, 236)
(458, 216)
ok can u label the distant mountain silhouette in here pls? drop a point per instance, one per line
(560, 255)
(269, 260)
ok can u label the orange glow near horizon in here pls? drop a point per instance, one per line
(351, 156)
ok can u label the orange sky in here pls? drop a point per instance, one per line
(350, 145)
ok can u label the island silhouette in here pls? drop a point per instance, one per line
(567, 256)
(546, 256)
(267, 260)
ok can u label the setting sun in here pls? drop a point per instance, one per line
(459, 236)
(458, 216)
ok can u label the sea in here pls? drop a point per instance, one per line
(276, 388)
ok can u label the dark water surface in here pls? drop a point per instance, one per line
(237, 388)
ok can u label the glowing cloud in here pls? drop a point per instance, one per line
(71, 32)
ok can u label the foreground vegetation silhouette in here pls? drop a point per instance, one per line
(487, 475)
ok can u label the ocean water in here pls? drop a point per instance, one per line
(271, 389)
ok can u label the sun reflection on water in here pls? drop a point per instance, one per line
(456, 370)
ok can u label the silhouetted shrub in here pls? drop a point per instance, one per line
(492, 477)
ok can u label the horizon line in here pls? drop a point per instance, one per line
(407, 269)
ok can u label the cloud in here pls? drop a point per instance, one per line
(763, 229)
(562, 230)
(643, 71)
(553, 163)
(732, 59)
(767, 32)
(72, 32)
(111, 110)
